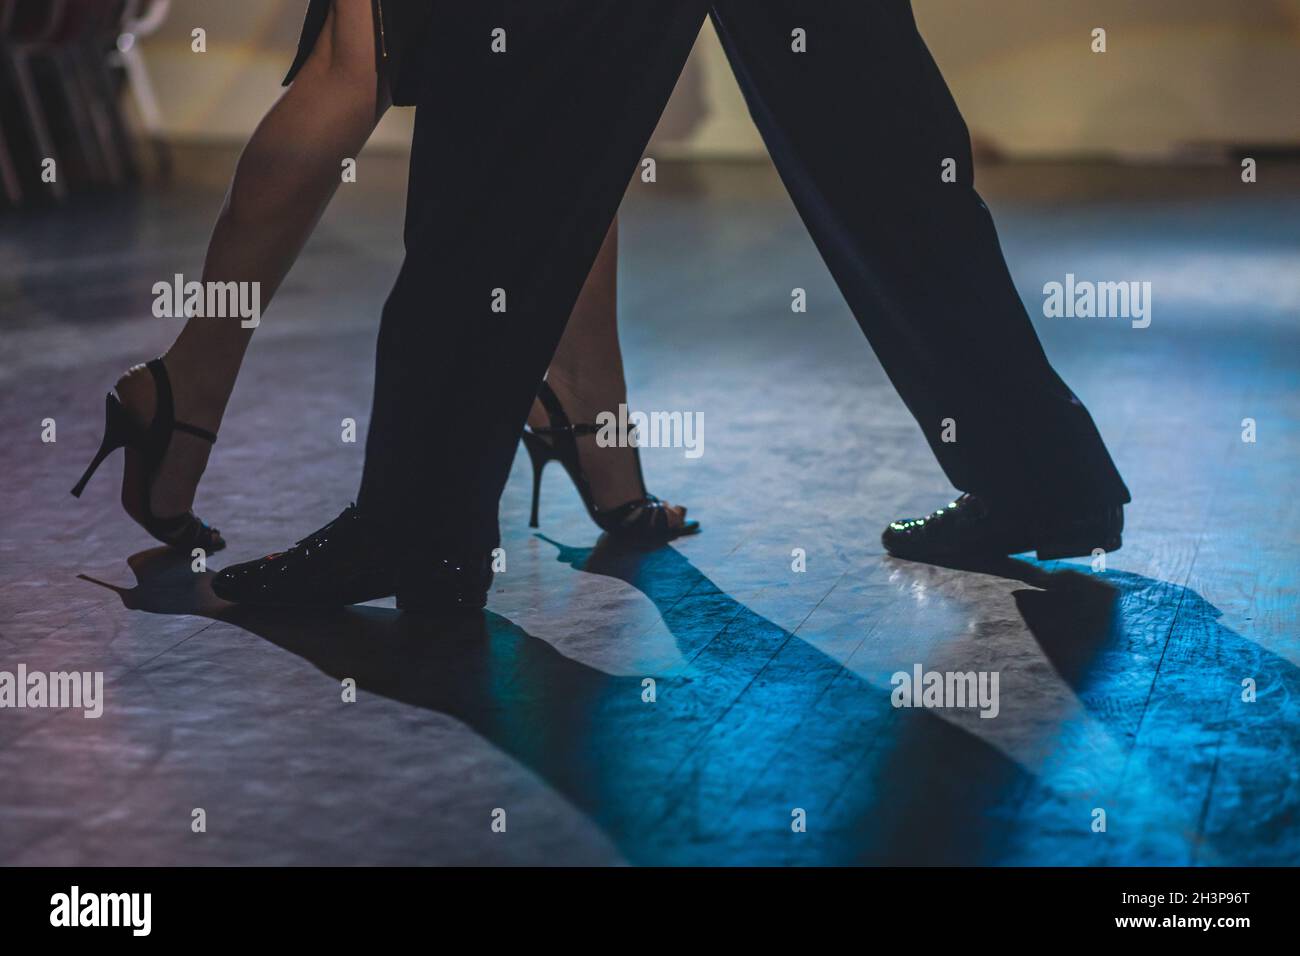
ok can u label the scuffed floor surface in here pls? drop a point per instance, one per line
(1120, 690)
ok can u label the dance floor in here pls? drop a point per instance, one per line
(1124, 689)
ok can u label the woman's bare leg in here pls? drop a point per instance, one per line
(586, 374)
(284, 180)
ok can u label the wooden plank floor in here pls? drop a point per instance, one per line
(1120, 689)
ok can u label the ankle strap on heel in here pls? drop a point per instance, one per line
(196, 431)
(165, 412)
(560, 423)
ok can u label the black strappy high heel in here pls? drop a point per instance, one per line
(642, 521)
(184, 532)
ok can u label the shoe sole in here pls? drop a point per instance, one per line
(1078, 547)
(1052, 550)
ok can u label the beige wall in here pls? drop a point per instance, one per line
(1176, 72)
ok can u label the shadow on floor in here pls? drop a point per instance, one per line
(760, 722)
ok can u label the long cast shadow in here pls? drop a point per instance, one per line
(759, 723)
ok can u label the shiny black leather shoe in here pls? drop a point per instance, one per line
(972, 528)
(343, 564)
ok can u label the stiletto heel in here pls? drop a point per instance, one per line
(184, 532)
(539, 453)
(119, 431)
(642, 520)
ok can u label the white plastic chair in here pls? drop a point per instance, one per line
(140, 19)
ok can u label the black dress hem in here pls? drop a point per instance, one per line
(396, 24)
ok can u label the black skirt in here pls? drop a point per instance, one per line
(400, 36)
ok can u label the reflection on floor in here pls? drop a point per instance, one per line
(1121, 689)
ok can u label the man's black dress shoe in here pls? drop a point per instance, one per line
(972, 527)
(343, 563)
